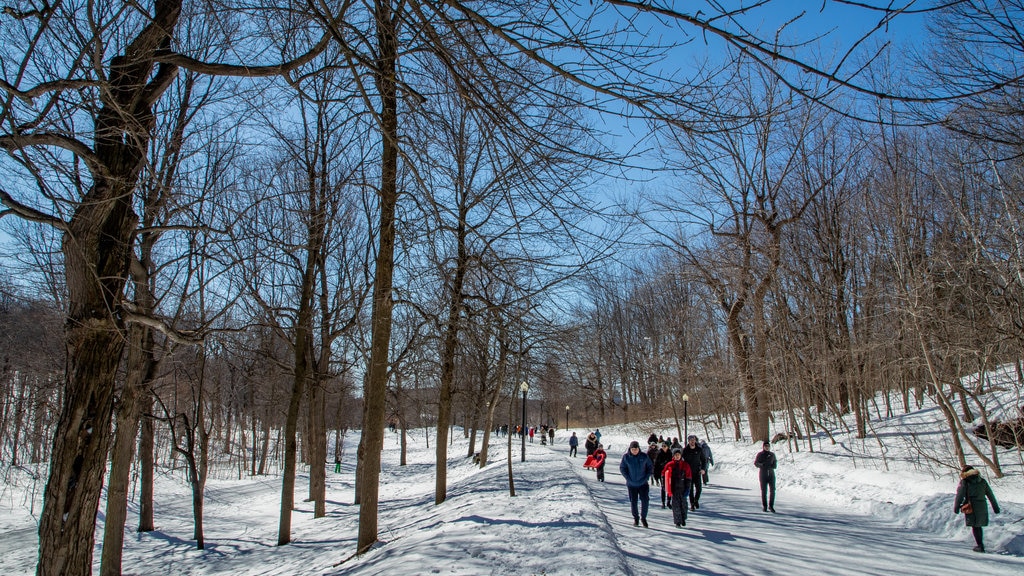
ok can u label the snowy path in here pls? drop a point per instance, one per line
(730, 534)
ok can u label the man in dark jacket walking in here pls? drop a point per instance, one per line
(766, 463)
(574, 443)
(694, 456)
(637, 469)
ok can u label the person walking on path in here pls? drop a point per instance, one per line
(970, 499)
(591, 444)
(662, 457)
(597, 435)
(766, 463)
(574, 443)
(709, 460)
(637, 468)
(694, 456)
(652, 453)
(677, 479)
(533, 430)
(551, 435)
(600, 457)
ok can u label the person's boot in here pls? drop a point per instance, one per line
(978, 548)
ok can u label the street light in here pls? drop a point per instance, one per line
(566, 416)
(686, 422)
(525, 388)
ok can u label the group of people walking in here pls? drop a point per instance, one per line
(679, 471)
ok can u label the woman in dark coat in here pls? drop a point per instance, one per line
(590, 444)
(973, 490)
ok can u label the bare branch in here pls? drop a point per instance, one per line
(222, 69)
(28, 213)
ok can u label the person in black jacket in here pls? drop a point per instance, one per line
(694, 456)
(766, 463)
(652, 453)
(709, 460)
(590, 444)
(662, 457)
(974, 490)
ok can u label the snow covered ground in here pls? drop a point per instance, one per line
(843, 509)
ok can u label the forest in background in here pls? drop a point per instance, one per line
(233, 235)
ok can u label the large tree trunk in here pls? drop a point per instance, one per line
(375, 388)
(96, 247)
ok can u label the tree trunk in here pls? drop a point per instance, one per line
(375, 389)
(317, 440)
(140, 373)
(147, 465)
(96, 247)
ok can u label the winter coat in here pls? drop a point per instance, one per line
(652, 453)
(661, 458)
(708, 459)
(695, 458)
(677, 477)
(574, 441)
(637, 470)
(974, 489)
(590, 444)
(766, 463)
(599, 457)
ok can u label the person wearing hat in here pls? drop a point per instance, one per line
(970, 499)
(677, 480)
(637, 468)
(694, 456)
(766, 463)
(661, 457)
(652, 453)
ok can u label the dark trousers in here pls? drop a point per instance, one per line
(976, 530)
(572, 451)
(678, 501)
(695, 488)
(600, 473)
(643, 494)
(767, 482)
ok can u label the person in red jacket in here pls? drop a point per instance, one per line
(677, 480)
(599, 457)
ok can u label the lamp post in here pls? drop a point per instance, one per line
(525, 388)
(566, 416)
(686, 422)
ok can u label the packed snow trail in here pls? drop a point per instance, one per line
(730, 534)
